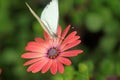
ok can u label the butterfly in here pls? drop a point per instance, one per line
(49, 18)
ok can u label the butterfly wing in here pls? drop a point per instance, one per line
(38, 19)
(50, 16)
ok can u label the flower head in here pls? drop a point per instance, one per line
(51, 53)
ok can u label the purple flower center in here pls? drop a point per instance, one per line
(53, 53)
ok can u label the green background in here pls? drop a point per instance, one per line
(96, 21)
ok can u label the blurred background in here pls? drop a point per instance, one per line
(97, 22)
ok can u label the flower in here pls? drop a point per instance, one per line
(51, 53)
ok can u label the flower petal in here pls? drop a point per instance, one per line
(71, 40)
(32, 43)
(40, 66)
(71, 53)
(33, 66)
(32, 55)
(64, 60)
(40, 40)
(64, 33)
(32, 48)
(37, 44)
(71, 35)
(71, 45)
(60, 67)
(59, 31)
(53, 68)
(68, 38)
(47, 66)
(36, 47)
(46, 36)
(32, 61)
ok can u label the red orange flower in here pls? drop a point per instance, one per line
(51, 53)
(0, 71)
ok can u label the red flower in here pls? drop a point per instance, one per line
(50, 53)
(0, 71)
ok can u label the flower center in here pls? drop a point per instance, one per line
(53, 53)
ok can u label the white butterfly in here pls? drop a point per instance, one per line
(49, 18)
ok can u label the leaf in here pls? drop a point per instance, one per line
(69, 73)
(94, 22)
(107, 67)
(83, 72)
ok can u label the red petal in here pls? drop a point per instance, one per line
(32, 61)
(53, 68)
(46, 36)
(71, 40)
(35, 65)
(40, 66)
(56, 42)
(33, 44)
(64, 60)
(40, 40)
(32, 55)
(59, 31)
(64, 33)
(47, 66)
(60, 67)
(71, 45)
(68, 38)
(71, 53)
(35, 49)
